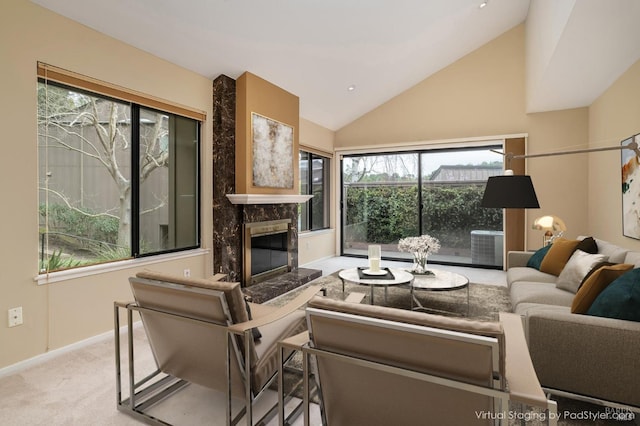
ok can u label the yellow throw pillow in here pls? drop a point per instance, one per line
(558, 256)
(593, 285)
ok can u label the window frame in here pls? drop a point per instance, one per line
(47, 74)
(326, 190)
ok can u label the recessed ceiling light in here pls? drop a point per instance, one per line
(483, 4)
(351, 88)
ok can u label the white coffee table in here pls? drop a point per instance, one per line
(400, 277)
(441, 280)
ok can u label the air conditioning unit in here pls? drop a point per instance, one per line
(487, 248)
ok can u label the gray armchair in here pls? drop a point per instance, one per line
(199, 332)
(380, 366)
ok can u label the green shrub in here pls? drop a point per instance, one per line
(81, 222)
(389, 212)
(56, 261)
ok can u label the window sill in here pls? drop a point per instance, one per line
(304, 234)
(86, 271)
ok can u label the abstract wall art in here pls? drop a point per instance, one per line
(630, 190)
(272, 147)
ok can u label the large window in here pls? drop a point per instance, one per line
(391, 196)
(117, 179)
(314, 180)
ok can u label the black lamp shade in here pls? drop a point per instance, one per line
(510, 192)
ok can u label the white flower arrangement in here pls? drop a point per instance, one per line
(421, 247)
(423, 243)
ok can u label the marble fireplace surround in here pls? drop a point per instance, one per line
(231, 211)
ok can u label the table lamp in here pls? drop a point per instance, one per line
(553, 226)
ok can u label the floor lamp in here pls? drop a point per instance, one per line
(511, 191)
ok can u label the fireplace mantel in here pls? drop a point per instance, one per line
(268, 198)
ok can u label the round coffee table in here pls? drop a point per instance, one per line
(441, 280)
(400, 277)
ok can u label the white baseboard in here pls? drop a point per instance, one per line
(322, 259)
(54, 353)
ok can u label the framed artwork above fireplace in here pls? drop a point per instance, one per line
(272, 148)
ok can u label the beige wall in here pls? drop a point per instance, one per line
(614, 116)
(480, 94)
(483, 95)
(560, 181)
(64, 312)
(315, 137)
(254, 94)
(318, 244)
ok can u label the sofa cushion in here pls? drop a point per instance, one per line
(537, 292)
(621, 299)
(536, 258)
(522, 273)
(558, 255)
(615, 253)
(524, 309)
(578, 266)
(595, 284)
(633, 258)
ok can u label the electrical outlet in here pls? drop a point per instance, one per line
(187, 272)
(15, 316)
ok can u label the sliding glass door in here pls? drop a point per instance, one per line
(386, 197)
(380, 199)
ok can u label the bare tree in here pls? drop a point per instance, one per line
(99, 130)
(380, 167)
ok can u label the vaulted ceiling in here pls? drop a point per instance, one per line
(380, 48)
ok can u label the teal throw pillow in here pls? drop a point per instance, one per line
(536, 258)
(620, 299)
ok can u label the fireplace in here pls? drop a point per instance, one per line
(266, 251)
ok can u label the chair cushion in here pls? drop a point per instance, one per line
(232, 291)
(621, 299)
(558, 255)
(578, 266)
(254, 331)
(595, 284)
(267, 347)
(491, 329)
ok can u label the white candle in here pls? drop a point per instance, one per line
(374, 264)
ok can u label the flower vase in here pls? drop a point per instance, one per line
(420, 262)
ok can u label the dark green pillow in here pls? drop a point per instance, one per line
(621, 298)
(536, 258)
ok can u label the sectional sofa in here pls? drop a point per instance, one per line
(571, 300)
